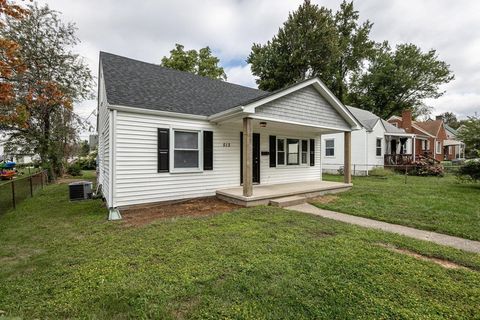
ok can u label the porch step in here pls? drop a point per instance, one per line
(287, 201)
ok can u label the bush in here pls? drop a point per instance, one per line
(425, 168)
(470, 171)
(74, 169)
(380, 172)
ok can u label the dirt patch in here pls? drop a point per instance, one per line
(324, 199)
(195, 207)
(442, 262)
(322, 233)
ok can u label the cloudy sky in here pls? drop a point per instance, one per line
(148, 29)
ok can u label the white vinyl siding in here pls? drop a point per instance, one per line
(137, 180)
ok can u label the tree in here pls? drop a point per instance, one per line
(202, 62)
(354, 46)
(469, 133)
(54, 80)
(11, 66)
(399, 79)
(450, 119)
(313, 42)
(304, 47)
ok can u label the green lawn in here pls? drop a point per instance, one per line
(64, 260)
(443, 205)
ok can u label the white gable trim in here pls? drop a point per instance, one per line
(323, 91)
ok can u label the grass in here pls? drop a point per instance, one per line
(64, 260)
(443, 205)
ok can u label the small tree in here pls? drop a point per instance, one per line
(202, 62)
(470, 171)
(469, 133)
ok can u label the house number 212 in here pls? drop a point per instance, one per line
(226, 144)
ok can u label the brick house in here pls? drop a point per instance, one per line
(430, 140)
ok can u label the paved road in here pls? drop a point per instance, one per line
(455, 242)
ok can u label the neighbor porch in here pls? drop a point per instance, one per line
(265, 194)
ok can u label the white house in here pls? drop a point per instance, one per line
(370, 145)
(19, 158)
(167, 135)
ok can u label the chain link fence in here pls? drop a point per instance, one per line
(17, 190)
(369, 169)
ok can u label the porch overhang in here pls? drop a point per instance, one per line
(447, 143)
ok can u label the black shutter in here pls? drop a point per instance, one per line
(312, 152)
(273, 151)
(207, 150)
(163, 150)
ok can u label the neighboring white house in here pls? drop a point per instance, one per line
(369, 145)
(16, 157)
(167, 135)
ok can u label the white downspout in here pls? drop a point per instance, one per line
(113, 213)
(366, 151)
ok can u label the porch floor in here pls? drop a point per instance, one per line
(262, 194)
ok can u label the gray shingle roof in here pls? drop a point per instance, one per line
(369, 119)
(366, 118)
(134, 83)
(390, 128)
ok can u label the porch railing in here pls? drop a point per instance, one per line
(398, 159)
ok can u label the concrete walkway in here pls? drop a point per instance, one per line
(442, 239)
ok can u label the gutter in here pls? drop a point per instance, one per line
(155, 112)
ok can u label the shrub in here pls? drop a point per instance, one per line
(470, 171)
(74, 169)
(380, 172)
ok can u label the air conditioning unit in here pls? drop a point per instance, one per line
(80, 190)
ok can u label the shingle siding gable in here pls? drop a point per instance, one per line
(304, 106)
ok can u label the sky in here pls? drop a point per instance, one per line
(148, 29)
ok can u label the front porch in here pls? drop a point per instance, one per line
(264, 194)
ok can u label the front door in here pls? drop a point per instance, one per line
(256, 158)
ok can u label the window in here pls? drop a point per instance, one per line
(292, 151)
(293, 148)
(424, 144)
(186, 149)
(280, 151)
(329, 148)
(379, 147)
(304, 151)
(438, 147)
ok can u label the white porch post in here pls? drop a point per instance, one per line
(347, 163)
(414, 147)
(247, 157)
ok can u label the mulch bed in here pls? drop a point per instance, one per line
(142, 215)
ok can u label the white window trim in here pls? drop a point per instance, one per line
(300, 164)
(381, 147)
(325, 149)
(172, 151)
